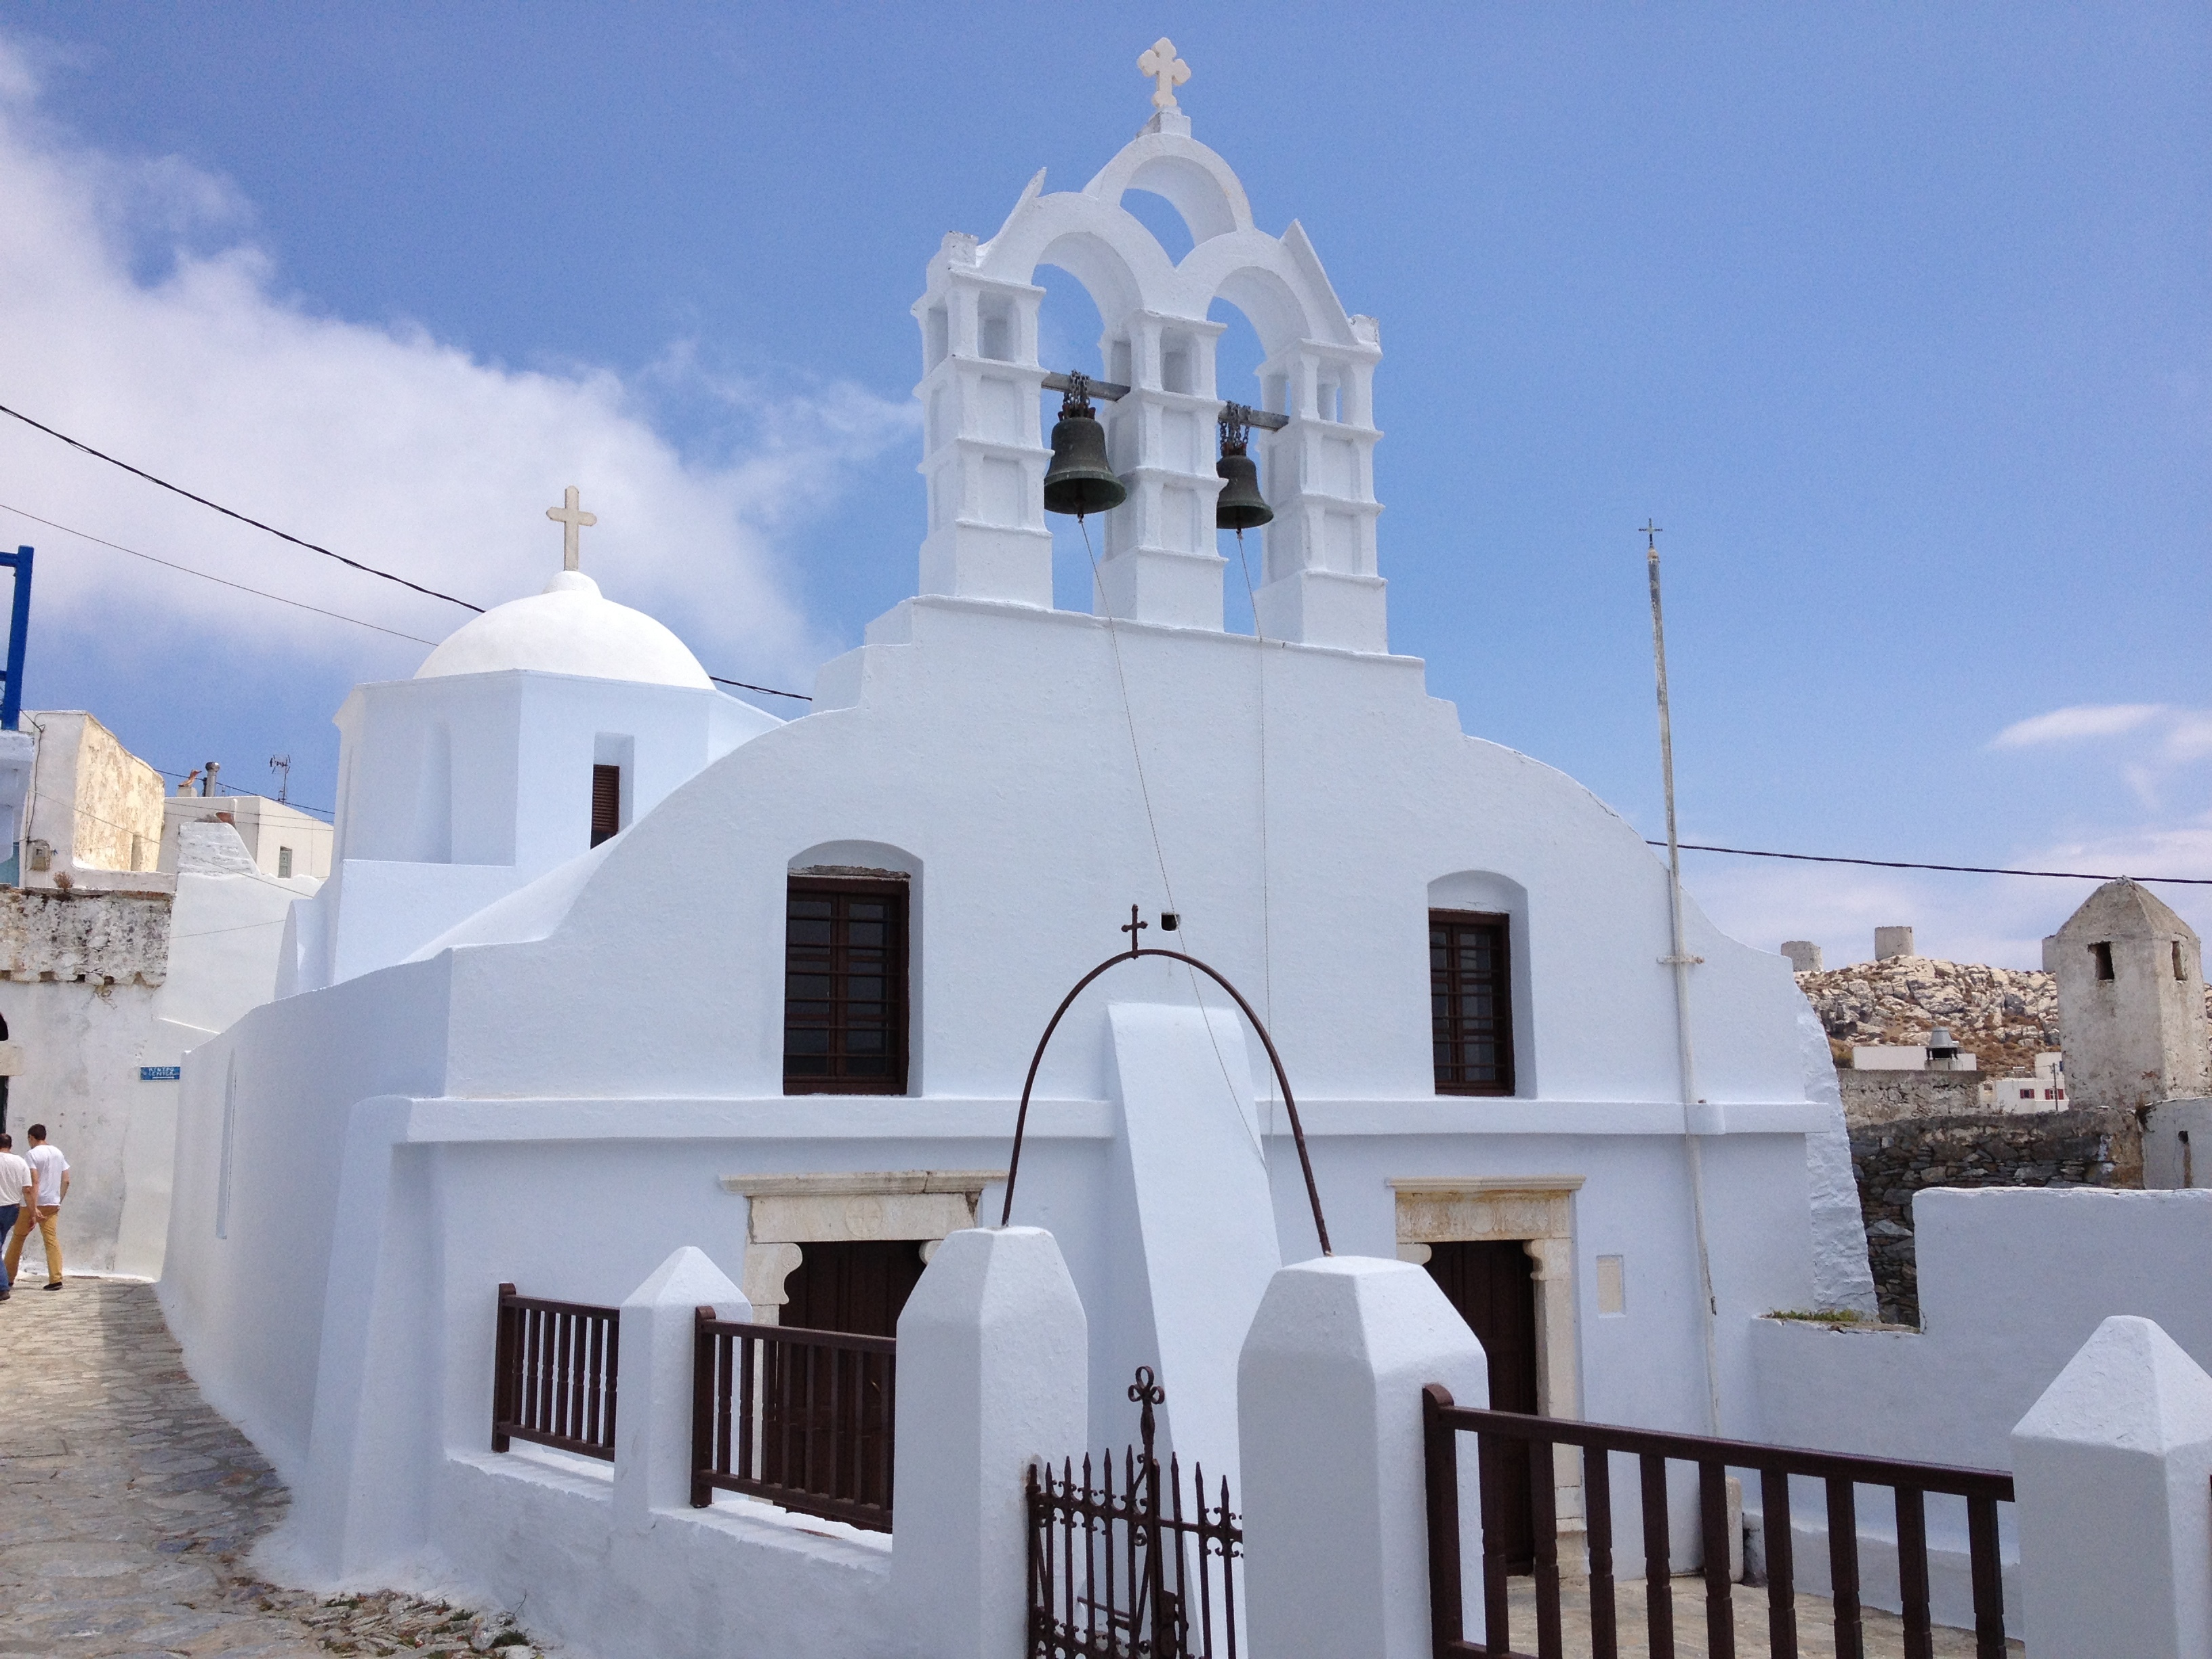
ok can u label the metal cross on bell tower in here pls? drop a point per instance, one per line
(573, 521)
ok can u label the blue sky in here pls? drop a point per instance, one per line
(1898, 318)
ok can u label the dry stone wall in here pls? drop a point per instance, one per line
(1887, 1096)
(106, 938)
(1895, 1160)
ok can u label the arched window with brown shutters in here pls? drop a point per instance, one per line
(845, 1005)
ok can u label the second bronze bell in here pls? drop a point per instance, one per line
(1080, 480)
(1239, 506)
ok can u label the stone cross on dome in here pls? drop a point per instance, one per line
(572, 519)
(1159, 62)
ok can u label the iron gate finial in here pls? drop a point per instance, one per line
(1146, 1392)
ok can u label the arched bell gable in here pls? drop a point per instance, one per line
(985, 457)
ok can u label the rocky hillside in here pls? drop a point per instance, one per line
(2004, 1016)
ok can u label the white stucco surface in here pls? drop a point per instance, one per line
(488, 1025)
(1329, 1390)
(458, 787)
(993, 1350)
(101, 985)
(2111, 1465)
(2012, 1281)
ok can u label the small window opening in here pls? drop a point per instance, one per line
(1175, 367)
(2101, 954)
(1471, 1002)
(2180, 971)
(606, 803)
(845, 988)
(997, 342)
(283, 862)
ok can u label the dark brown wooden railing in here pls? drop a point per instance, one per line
(1502, 1435)
(554, 1374)
(802, 1418)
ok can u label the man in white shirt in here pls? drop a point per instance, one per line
(51, 1171)
(15, 1179)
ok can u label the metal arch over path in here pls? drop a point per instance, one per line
(1282, 1079)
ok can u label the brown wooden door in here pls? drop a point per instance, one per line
(1493, 1286)
(858, 1288)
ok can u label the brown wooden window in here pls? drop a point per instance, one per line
(1471, 1002)
(845, 987)
(606, 803)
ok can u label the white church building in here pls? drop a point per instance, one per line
(610, 964)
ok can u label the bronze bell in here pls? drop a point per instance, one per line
(1080, 480)
(1239, 506)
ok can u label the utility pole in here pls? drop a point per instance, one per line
(1679, 959)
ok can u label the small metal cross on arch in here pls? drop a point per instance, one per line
(1134, 927)
(1168, 71)
(572, 519)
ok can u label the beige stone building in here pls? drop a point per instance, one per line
(2130, 977)
(94, 817)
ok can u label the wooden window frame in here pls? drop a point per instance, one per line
(898, 970)
(1505, 1083)
(609, 778)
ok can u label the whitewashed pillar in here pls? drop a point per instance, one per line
(1328, 1394)
(652, 1414)
(2112, 1468)
(992, 1365)
(983, 451)
(1318, 474)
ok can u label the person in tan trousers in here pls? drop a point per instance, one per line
(44, 1208)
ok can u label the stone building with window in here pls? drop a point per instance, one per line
(786, 1013)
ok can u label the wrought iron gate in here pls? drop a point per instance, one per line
(1113, 1575)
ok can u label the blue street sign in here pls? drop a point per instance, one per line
(160, 1073)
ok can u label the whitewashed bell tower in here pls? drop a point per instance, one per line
(983, 450)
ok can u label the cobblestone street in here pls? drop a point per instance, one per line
(127, 1507)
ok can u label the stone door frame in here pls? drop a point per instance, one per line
(787, 1212)
(1537, 1212)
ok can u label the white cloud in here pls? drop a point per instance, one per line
(378, 441)
(2109, 719)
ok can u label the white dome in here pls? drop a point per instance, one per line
(568, 630)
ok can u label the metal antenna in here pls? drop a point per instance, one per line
(1679, 959)
(281, 766)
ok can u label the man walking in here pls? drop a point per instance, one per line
(50, 1171)
(14, 1178)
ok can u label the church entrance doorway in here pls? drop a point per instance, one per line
(857, 1287)
(1492, 1284)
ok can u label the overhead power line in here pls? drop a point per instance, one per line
(367, 569)
(1955, 869)
(170, 564)
(282, 535)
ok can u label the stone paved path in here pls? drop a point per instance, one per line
(127, 1506)
(1883, 1633)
